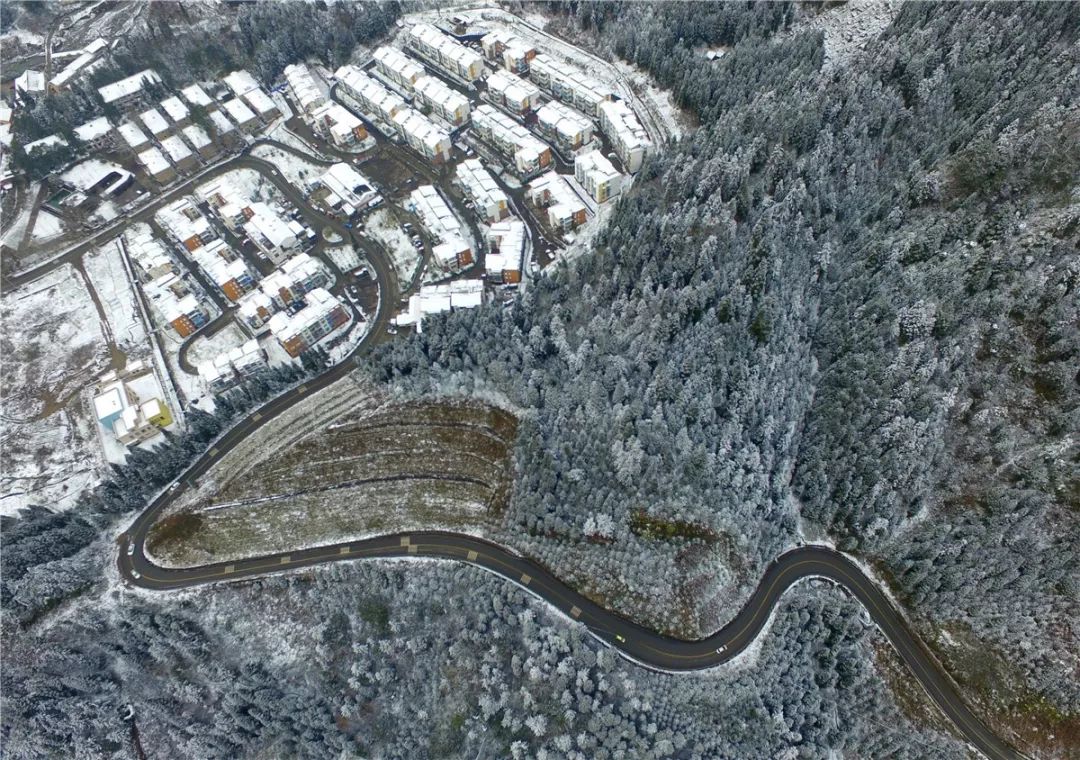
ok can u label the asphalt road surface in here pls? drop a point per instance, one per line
(644, 646)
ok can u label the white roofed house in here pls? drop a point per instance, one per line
(156, 166)
(178, 113)
(305, 92)
(506, 243)
(448, 104)
(628, 137)
(255, 309)
(529, 154)
(243, 116)
(221, 373)
(225, 269)
(296, 277)
(183, 220)
(565, 209)
(569, 84)
(596, 174)
(197, 138)
(423, 136)
(370, 97)
(338, 124)
(221, 124)
(504, 48)
(262, 104)
(436, 299)
(63, 79)
(269, 232)
(29, 82)
(480, 188)
(155, 123)
(240, 82)
(441, 51)
(135, 138)
(566, 127)
(512, 92)
(398, 67)
(126, 91)
(343, 190)
(451, 251)
(196, 96)
(96, 134)
(179, 153)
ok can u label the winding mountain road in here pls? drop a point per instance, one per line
(642, 645)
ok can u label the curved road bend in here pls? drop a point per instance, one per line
(643, 645)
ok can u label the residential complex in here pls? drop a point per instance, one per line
(338, 124)
(69, 73)
(448, 104)
(452, 250)
(121, 412)
(421, 135)
(177, 112)
(529, 154)
(628, 137)
(506, 244)
(567, 83)
(506, 49)
(196, 96)
(226, 370)
(125, 92)
(441, 51)
(299, 330)
(398, 67)
(341, 190)
(480, 187)
(283, 287)
(436, 299)
(156, 124)
(567, 128)
(239, 112)
(307, 94)
(596, 174)
(96, 134)
(565, 210)
(156, 166)
(512, 92)
(135, 138)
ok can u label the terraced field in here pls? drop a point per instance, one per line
(404, 466)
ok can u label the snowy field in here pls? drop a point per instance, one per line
(53, 346)
(345, 257)
(296, 170)
(384, 227)
(105, 267)
(248, 182)
(46, 227)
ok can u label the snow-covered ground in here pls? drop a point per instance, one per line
(284, 135)
(384, 227)
(107, 274)
(296, 170)
(211, 347)
(849, 27)
(53, 345)
(248, 182)
(345, 257)
(46, 227)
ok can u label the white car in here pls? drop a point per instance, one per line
(131, 548)
(721, 650)
(135, 574)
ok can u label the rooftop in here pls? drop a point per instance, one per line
(133, 84)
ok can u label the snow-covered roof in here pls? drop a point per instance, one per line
(397, 66)
(270, 226)
(435, 214)
(302, 85)
(154, 121)
(419, 128)
(622, 125)
(564, 120)
(175, 108)
(51, 141)
(260, 101)
(433, 43)
(111, 400)
(510, 136)
(596, 164)
(176, 148)
(372, 95)
(89, 173)
(320, 304)
(509, 237)
(513, 88)
(196, 136)
(240, 82)
(435, 93)
(153, 161)
(93, 129)
(132, 135)
(238, 111)
(434, 299)
(479, 185)
(30, 81)
(221, 122)
(129, 86)
(197, 96)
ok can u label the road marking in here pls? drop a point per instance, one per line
(343, 550)
(525, 580)
(256, 417)
(229, 569)
(285, 560)
(404, 540)
(212, 452)
(302, 389)
(413, 548)
(472, 556)
(575, 611)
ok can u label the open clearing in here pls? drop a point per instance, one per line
(416, 465)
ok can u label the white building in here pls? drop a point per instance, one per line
(398, 67)
(345, 190)
(244, 117)
(448, 104)
(529, 154)
(566, 211)
(90, 54)
(30, 82)
(179, 153)
(147, 253)
(296, 276)
(156, 165)
(126, 90)
(567, 83)
(302, 86)
(269, 232)
(198, 139)
(567, 127)
(423, 136)
(97, 133)
(224, 267)
(262, 104)
(452, 251)
(480, 187)
(223, 372)
(337, 123)
(371, 97)
(97, 176)
(596, 174)
(628, 137)
(512, 92)
(157, 124)
(221, 123)
(436, 299)
(240, 82)
(441, 51)
(135, 138)
(175, 109)
(196, 96)
(506, 49)
(506, 243)
(301, 330)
